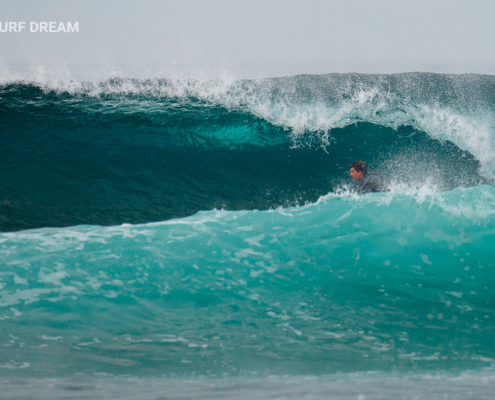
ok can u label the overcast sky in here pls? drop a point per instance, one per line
(312, 36)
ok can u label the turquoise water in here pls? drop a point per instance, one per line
(379, 282)
(204, 237)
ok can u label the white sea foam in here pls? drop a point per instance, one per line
(475, 203)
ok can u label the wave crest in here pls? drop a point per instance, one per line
(455, 108)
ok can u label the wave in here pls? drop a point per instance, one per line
(351, 283)
(455, 108)
(129, 150)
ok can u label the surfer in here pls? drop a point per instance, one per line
(368, 181)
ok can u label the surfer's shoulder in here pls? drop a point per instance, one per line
(373, 182)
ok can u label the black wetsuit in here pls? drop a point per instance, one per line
(372, 182)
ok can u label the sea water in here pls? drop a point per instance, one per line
(201, 239)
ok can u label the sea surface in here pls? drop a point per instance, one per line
(201, 239)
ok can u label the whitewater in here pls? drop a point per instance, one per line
(186, 238)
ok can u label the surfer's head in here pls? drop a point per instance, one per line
(358, 170)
